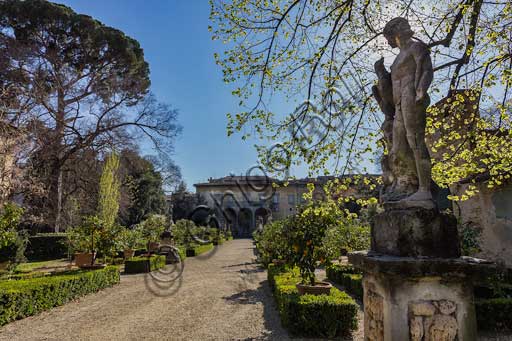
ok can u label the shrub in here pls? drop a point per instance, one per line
(348, 233)
(46, 246)
(271, 242)
(26, 297)
(12, 243)
(137, 265)
(308, 315)
(494, 314)
(347, 276)
(131, 239)
(153, 227)
(182, 231)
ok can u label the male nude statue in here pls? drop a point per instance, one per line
(411, 75)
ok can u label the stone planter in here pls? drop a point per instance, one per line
(84, 259)
(320, 288)
(128, 253)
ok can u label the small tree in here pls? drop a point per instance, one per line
(108, 206)
(153, 227)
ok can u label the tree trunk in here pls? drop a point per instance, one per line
(56, 188)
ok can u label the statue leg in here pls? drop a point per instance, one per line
(415, 123)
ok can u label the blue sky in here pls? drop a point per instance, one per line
(178, 47)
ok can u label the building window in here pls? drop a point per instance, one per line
(291, 199)
(275, 198)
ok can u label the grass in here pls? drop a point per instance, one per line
(34, 266)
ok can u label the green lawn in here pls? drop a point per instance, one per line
(35, 266)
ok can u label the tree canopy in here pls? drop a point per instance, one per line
(320, 54)
(84, 83)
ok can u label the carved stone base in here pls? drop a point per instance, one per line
(415, 232)
(418, 299)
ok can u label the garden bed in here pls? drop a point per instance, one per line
(142, 264)
(26, 297)
(308, 315)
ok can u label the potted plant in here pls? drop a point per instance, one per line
(151, 229)
(129, 240)
(83, 240)
(305, 234)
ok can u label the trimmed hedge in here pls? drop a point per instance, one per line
(219, 241)
(494, 314)
(138, 265)
(348, 277)
(47, 246)
(199, 249)
(309, 315)
(26, 297)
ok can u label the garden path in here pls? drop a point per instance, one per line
(222, 295)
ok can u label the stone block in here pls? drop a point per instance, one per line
(415, 232)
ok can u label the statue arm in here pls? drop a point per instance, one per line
(424, 70)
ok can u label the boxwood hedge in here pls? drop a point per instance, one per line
(308, 315)
(142, 264)
(26, 297)
(494, 314)
(347, 276)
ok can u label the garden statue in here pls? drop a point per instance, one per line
(402, 96)
(416, 286)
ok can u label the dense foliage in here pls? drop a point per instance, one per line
(272, 242)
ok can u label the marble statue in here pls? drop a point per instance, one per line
(402, 96)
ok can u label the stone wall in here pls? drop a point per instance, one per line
(490, 212)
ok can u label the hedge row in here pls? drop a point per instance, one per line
(199, 249)
(494, 314)
(46, 246)
(348, 277)
(309, 315)
(26, 297)
(137, 265)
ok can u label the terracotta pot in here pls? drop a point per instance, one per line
(320, 288)
(128, 253)
(84, 259)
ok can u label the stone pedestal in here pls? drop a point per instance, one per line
(419, 299)
(415, 232)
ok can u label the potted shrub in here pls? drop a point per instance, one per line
(83, 240)
(151, 229)
(129, 240)
(305, 234)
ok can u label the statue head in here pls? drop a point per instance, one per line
(397, 28)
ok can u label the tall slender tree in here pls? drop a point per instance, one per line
(109, 192)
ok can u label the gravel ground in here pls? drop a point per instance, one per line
(222, 295)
